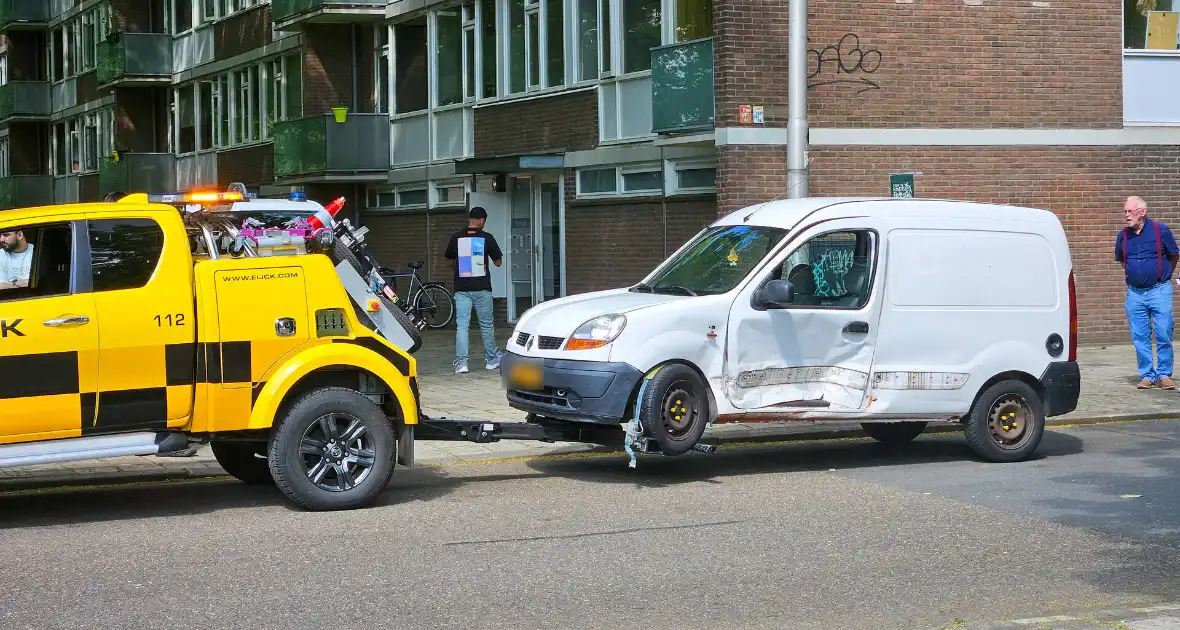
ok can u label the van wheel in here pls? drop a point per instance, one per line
(675, 409)
(245, 461)
(893, 432)
(1007, 422)
(333, 450)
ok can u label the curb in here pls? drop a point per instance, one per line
(184, 469)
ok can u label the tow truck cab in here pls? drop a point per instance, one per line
(132, 338)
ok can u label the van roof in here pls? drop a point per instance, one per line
(788, 213)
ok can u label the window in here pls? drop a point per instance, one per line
(90, 145)
(587, 39)
(644, 179)
(5, 169)
(449, 194)
(415, 197)
(124, 253)
(595, 181)
(833, 270)
(77, 144)
(381, 76)
(205, 115)
(694, 19)
(448, 56)
(293, 76)
(691, 176)
(410, 66)
(536, 56)
(3, 68)
(88, 40)
(469, 50)
(1150, 24)
(182, 16)
(186, 140)
(487, 61)
(641, 33)
(404, 197)
(241, 106)
(714, 262)
(45, 268)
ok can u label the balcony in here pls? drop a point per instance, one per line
(682, 87)
(320, 149)
(135, 59)
(287, 13)
(23, 14)
(25, 191)
(138, 172)
(24, 100)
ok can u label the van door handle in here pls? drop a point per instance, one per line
(856, 327)
(66, 321)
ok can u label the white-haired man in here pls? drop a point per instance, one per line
(1148, 253)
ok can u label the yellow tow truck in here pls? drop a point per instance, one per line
(262, 327)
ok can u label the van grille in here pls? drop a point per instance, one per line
(549, 343)
(522, 338)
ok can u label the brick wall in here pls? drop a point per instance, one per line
(926, 64)
(26, 56)
(750, 174)
(556, 124)
(1084, 186)
(327, 68)
(242, 33)
(251, 166)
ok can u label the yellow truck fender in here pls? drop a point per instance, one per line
(352, 355)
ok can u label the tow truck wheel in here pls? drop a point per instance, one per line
(893, 432)
(245, 461)
(332, 450)
(674, 410)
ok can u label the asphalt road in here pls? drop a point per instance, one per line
(841, 534)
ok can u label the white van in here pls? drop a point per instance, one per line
(887, 312)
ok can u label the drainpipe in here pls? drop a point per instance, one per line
(797, 100)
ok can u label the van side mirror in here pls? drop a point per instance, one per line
(774, 294)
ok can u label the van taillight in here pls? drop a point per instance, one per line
(1073, 319)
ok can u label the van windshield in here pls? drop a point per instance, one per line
(715, 262)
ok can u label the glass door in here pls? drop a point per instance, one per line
(547, 260)
(536, 240)
(521, 256)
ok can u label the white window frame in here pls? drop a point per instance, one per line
(195, 11)
(433, 196)
(430, 187)
(672, 181)
(5, 169)
(595, 195)
(469, 24)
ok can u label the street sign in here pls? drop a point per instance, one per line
(901, 185)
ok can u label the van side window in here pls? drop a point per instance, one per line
(124, 253)
(35, 261)
(832, 270)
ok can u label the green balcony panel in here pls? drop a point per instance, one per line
(138, 172)
(25, 191)
(24, 99)
(682, 87)
(338, 10)
(17, 13)
(319, 146)
(127, 57)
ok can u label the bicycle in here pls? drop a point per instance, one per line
(431, 301)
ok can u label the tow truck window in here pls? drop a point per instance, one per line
(47, 248)
(124, 253)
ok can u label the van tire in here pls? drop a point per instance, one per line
(893, 432)
(245, 461)
(1007, 422)
(301, 426)
(674, 410)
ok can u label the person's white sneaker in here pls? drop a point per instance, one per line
(460, 366)
(494, 364)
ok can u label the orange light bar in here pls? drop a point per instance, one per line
(212, 196)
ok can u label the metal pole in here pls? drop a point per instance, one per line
(797, 100)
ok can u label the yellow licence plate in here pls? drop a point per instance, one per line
(526, 376)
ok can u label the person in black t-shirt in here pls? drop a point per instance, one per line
(469, 251)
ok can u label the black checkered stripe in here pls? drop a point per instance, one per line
(186, 365)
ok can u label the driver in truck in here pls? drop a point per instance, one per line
(16, 259)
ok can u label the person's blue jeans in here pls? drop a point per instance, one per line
(482, 302)
(1146, 307)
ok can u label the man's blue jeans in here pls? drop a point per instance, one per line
(1145, 306)
(482, 301)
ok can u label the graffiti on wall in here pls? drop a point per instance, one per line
(843, 63)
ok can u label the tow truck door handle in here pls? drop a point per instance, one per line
(66, 321)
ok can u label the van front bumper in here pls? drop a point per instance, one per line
(576, 391)
(1062, 381)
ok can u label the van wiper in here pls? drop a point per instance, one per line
(641, 288)
(674, 288)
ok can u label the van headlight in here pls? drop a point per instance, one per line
(597, 332)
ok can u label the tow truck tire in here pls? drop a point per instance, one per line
(333, 449)
(246, 461)
(674, 409)
(893, 432)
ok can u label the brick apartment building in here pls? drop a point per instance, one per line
(601, 133)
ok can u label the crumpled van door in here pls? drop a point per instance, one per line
(816, 354)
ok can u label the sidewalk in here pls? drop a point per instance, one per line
(1108, 394)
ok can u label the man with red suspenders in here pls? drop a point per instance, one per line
(1148, 252)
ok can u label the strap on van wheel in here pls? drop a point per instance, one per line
(634, 428)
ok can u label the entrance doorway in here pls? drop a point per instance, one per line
(536, 243)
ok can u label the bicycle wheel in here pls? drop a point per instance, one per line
(435, 305)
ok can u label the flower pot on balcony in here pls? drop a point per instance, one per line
(340, 112)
